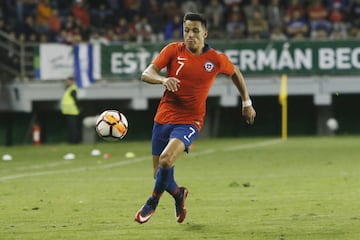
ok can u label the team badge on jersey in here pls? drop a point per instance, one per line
(209, 66)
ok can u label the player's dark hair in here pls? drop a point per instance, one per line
(195, 17)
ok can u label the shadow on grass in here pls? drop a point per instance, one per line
(194, 227)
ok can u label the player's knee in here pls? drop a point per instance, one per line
(166, 160)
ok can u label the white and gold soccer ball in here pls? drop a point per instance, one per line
(111, 125)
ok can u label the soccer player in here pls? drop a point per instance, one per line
(192, 66)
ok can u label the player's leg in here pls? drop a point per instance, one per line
(165, 174)
(168, 155)
(165, 153)
(155, 164)
(187, 134)
(179, 194)
(160, 138)
(163, 177)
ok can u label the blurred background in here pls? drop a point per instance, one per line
(106, 45)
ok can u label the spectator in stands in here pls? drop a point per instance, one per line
(173, 28)
(130, 8)
(275, 14)
(77, 37)
(189, 6)
(297, 27)
(257, 26)
(22, 38)
(123, 30)
(97, 38)
(320, 33)
(156, 19)
(294, 5)
(43, 38)
(33, 38)
(19, 10)
(25, 8)
(231, 3)
(83, 29)
(235, 25)
(111, 36)
(113, 5)
(132, 29)
(214, 12)
(343, 5)
(101, 15)
(62, 37)
(338, 25)
(69, 29)
(177, 36)
(27, 16)
(318, 15)
(54, 24)
(74, 29)
(277, 33)
(171, 9)
(80, 12)
(355, 17)
(144, 30)
(338, 32)
(43, 14)
(252, 7)
(356, 33)
(28, 27)
(336, 15)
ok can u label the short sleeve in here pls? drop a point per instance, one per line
(226, 66)
(165, 55)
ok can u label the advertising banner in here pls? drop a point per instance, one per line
(127, 61)
(56, 61)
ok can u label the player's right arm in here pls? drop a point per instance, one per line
(152, 75)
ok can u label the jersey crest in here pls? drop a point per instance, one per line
(209, 66)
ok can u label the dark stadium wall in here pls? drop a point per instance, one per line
(346, 111)
(16, 127)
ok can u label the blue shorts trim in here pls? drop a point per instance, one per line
(162, 133)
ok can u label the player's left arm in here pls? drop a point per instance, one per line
(248, 110)
(152, 75)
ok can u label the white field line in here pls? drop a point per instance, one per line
(71, 170)
(131, 161)
(253, 145)
(40, 166)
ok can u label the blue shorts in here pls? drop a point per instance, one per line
(162, 133)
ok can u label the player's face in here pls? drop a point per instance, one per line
(194, 36)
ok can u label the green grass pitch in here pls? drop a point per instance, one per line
(305, 188)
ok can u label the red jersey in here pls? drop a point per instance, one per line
(196, 74)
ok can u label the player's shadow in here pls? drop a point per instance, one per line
(194, 227)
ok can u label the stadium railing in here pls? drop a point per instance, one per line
(17, 58)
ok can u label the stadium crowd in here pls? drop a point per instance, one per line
(113, 21)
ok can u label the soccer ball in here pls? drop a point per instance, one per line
(332, 124)
(111, 125)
